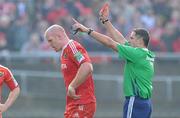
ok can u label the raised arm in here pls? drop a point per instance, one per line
(115, 34)
(105, 40)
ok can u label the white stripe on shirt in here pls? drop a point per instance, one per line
(73, 47)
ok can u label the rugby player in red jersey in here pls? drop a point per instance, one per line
(77, 71)
(7, 78)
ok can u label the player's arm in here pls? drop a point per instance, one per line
(84, 71)
(80, 57)
(14, 93)
(105, 40)
(10, 100)
(115, 34)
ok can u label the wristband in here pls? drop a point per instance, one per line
(89, 31)
(103, 21)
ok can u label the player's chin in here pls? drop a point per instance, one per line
(57, 50)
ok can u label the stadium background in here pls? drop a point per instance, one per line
(36, 66)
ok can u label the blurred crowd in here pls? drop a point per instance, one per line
(23, 22)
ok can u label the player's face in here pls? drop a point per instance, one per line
(134, 40)
(55, 43)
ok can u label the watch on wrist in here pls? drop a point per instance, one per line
(103, 21)
(89, 31)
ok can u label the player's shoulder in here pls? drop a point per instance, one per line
(77, 44)
(74, 46)
(3, 68)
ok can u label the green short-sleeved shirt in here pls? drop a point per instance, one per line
(138, 72)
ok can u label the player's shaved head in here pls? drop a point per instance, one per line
(54, 30)
(56, 37)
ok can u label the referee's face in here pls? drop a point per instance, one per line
(134, 40)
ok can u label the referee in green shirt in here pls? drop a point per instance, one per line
(139, 67)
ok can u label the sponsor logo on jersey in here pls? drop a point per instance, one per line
(1, 74)
(79, 57)
(63, 66)
(65, 56)
(76, 115)
(81, 107)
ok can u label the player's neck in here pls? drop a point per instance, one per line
(66, 41)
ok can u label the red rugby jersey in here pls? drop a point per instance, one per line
(7, 78)
(72, 56)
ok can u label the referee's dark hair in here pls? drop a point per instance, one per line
(144, 34)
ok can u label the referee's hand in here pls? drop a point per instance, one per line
(72, 93)
(104, 12)
(79, 26)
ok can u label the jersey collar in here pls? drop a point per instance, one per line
(66, 46)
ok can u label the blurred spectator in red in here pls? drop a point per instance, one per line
(176, 45)
(169, 36)
(3, 41)
(156, 43)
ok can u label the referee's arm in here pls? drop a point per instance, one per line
(103, 16)
(115, 34)
(105, 40)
